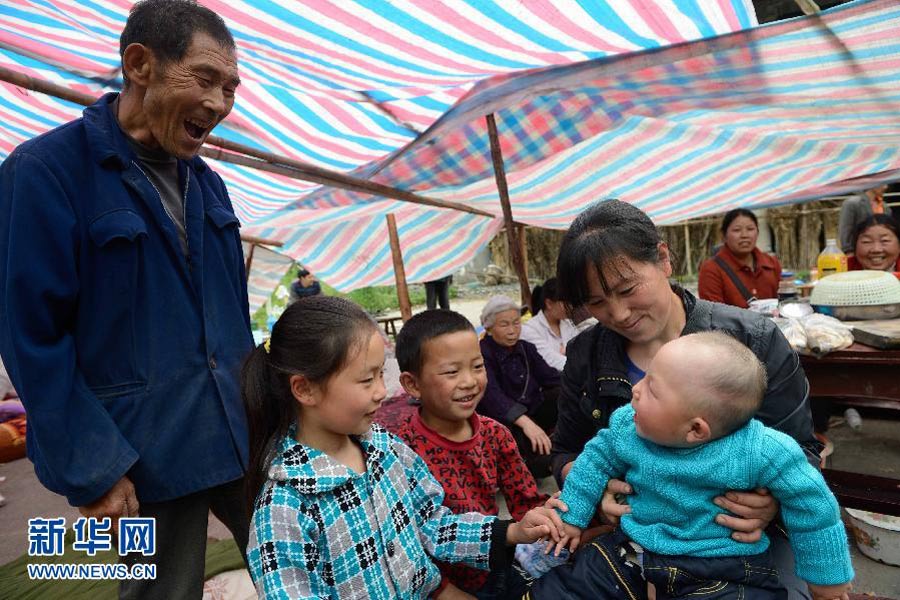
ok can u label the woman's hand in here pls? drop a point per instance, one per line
(610, 508)
(540, 442)
(753, 511)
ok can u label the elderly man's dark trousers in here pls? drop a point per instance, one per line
(181, 527)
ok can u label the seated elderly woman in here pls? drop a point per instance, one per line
(522, 388)
(739, 272)
(876, 244)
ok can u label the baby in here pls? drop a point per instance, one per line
(688, 436)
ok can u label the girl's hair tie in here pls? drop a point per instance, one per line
(267, 345)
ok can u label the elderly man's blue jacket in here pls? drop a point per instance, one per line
(125, 352)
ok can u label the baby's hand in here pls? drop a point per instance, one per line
(570, 538)
(840, 591)
(537, 523)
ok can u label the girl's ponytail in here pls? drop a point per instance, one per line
(270, 415)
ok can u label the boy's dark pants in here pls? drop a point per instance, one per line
(600, 570)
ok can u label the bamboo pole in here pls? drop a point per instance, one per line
(503, 190)
(265, 161)
(399, 271)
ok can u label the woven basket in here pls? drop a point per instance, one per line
(856, 288)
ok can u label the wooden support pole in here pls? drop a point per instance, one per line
(240, 154)
(808, 7)
(503, 190)
(689, 263)
(261, 241)
(249, 261)
(523, 245)
(399, 271)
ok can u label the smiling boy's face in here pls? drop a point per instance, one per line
(452, 379)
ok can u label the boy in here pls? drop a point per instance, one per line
(687, 436)
(472, 456)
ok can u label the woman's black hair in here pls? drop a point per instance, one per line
(873, 220)
(604, 233)
(314, 337)
(541, 293)
(733, 214)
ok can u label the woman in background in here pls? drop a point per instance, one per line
(550, 329)
(876, 245)
(739, 272)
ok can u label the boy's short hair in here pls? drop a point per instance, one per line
(421, 328)
(735, 387)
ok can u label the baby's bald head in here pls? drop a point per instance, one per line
(729, 380)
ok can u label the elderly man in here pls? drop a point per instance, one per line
(124, 300)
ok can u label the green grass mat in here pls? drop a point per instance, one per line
(221, 556)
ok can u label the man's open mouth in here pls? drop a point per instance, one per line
(195, 129)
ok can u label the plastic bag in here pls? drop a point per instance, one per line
(794, 331)
(826, 334)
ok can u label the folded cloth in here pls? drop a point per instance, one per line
(535, 561)
(10, 409)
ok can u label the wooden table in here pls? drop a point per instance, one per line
(862, 376)
(859, 375)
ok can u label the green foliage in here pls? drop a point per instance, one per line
(375, 300)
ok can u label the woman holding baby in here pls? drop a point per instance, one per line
(613, 262)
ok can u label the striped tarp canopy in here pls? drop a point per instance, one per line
(343, 84)
(771, 115)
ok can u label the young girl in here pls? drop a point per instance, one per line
(342, 508)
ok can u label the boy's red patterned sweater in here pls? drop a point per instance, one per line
(471, 473)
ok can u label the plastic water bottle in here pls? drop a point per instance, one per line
(853, 419)
(532, 558)
(831, 260)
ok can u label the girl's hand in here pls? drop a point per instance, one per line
(610, 508)
(753, 512)
(830, 592)
(538, 523)
(540, 442)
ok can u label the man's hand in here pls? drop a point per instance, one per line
(610, 508)
(753, 512)
(540, 442)
(840, 591)
(538, 523)
(119, 501)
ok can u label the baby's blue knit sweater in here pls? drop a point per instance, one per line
(672, 510)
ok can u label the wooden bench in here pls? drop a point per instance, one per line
(390, 324)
